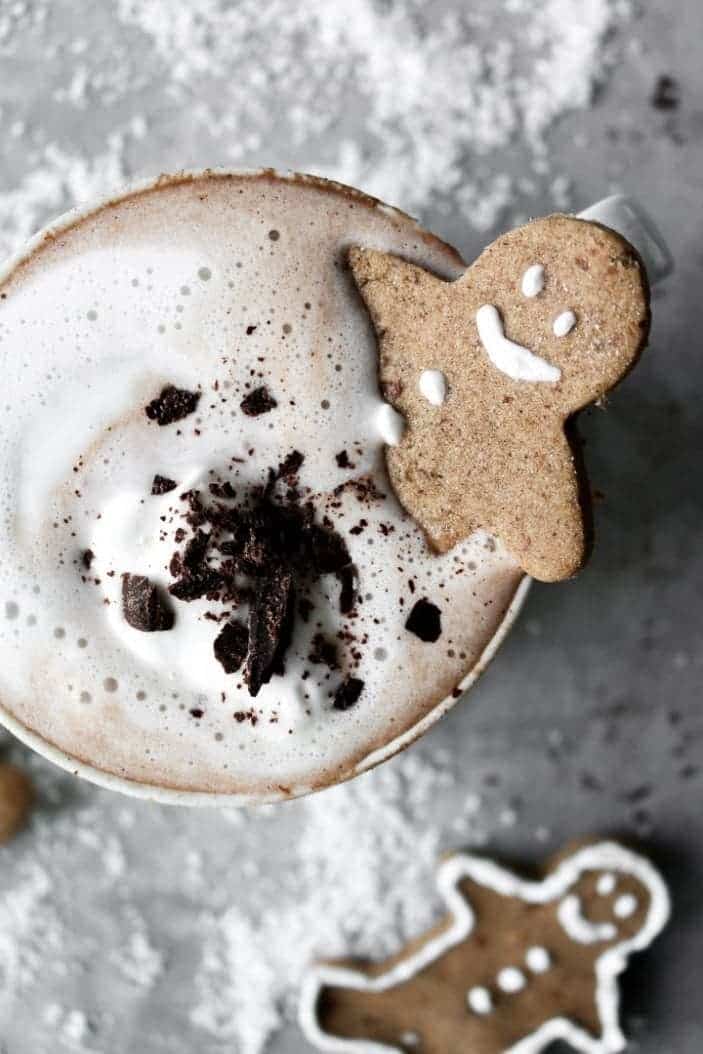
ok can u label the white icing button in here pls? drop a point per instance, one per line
(510, 358)
(605, 884)
(410, 1039)
(511, 979)
(390, 424)
(538, 959)
(625, 906)
(433, 385)
(564, 323)
(533, 280)
(479, 1000)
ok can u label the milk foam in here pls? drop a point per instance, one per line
(157, 289)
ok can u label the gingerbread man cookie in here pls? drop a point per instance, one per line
(487, 372)
(517, 965)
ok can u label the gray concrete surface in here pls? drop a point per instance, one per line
(589, 720)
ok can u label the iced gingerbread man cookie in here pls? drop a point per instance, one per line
(488, 371)
(516, 965)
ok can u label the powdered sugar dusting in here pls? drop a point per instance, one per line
(424, 106)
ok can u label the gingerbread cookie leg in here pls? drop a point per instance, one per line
(518, 964)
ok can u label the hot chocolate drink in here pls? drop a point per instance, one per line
(207, 584)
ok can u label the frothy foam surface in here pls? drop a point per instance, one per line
(165, 287)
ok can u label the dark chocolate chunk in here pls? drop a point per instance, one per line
(425, 621)
(666, 93)
(194, 552)
(143, 604)
(173, 404)
(347, 693)
(269, 619)
(204, 582)
(231, 645)
(290, 466)
(260, 401)
(347, 596)
(87, 558)
(342, 459)
(162, 485)
(328, 550)
(323, 651)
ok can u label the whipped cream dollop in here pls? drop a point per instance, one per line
(217, 286)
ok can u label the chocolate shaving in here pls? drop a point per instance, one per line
(347, 693)
(231, 645)
(144, 606)
(347, 596)
(425, 621)
(162, 485)
(269, 616)
(173, 404)
(260, 401)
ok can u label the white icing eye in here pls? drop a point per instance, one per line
(390, 425)
(625, 906)
(433, 385)
(511, 979)
(538, 959)
(605, 884)
(533, 280)
(479, 1000)
(564, 323)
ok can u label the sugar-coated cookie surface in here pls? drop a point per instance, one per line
(517, 964)
(488, 369)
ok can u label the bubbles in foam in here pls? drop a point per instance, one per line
(96, 454)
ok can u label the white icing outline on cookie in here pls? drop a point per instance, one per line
(602, 856)
(510, 358)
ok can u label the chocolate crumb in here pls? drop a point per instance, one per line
(162, 485)
(323, 652)
(666, 93)
(204, 582)
(87, 558)
(347, 693)
(342, 459)
(173, 404)
(260, 401)
(250, 330)
(425, 621)
(143, 604)
(196, 712)
(231, 645)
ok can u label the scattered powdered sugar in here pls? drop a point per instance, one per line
(360, 881)
(427, 106)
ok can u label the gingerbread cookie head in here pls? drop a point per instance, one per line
(487, 370)
(516, 965)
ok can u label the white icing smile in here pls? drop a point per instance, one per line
(581, 929)
(510, 358)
